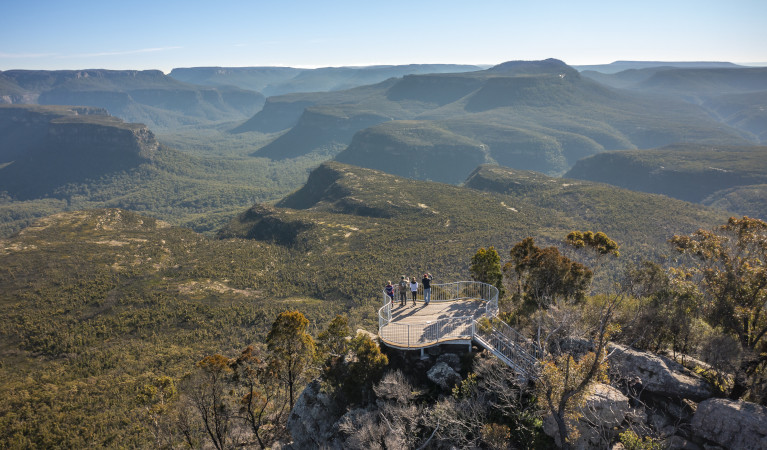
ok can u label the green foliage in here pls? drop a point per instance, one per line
(333, 342)
(728, 266)
(486, 267)
(598, 242)
(666, 313)
(632, 441)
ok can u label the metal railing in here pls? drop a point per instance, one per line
(516, 351)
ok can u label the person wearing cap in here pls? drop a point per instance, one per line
(426, 281)
(403, 285)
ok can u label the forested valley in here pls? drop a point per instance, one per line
(213, 277)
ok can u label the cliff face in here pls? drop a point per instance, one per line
(44, 148)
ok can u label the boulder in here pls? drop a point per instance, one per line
(443, 375)
(731, 424)
(311, 421)
(658, 374)
(605, 408)
(451, 359)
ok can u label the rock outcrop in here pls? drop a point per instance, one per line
(443, 375)
(731, 424)
(657, 374)
(309, 423)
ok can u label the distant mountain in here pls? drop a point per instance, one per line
(734, 95)
(619, 66)
(284, 80)
(536, 115)
(147, 96)
(724, 176)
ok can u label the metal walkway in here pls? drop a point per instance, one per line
(460, 312)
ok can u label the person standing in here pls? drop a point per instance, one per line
(426, 281)
(403, 287)
(390, 291)
(413, 288)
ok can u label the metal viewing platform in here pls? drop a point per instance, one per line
(460, 312)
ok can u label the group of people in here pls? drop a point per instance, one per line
(412, 285)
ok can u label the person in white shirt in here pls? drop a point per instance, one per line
(413, 289)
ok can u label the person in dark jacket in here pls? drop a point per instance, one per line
(390, 291)
(426, 281)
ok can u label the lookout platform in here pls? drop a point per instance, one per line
(460, 312)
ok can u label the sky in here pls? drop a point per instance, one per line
(164, 34)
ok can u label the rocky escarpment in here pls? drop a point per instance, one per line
(45, 148)
(147, 96)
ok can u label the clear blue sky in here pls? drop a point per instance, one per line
(163, 34)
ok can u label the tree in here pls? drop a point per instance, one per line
(263, 403)
(208, 394)
(354, 375)
(667, 313)
(333, 342)
(599, 242)
(486, 267)
(729, 266)
(291, 348)
(541, 276)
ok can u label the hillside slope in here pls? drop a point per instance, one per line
(704, 174)
(362, 210)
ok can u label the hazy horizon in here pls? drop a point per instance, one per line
(52, 35)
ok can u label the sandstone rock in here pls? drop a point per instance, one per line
(731, 424)
(372, 336)
(605, 408)
(443, 375)
(311, 420)
(658, 374)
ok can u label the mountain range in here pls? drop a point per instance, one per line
(272, 81)
(541, 116)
